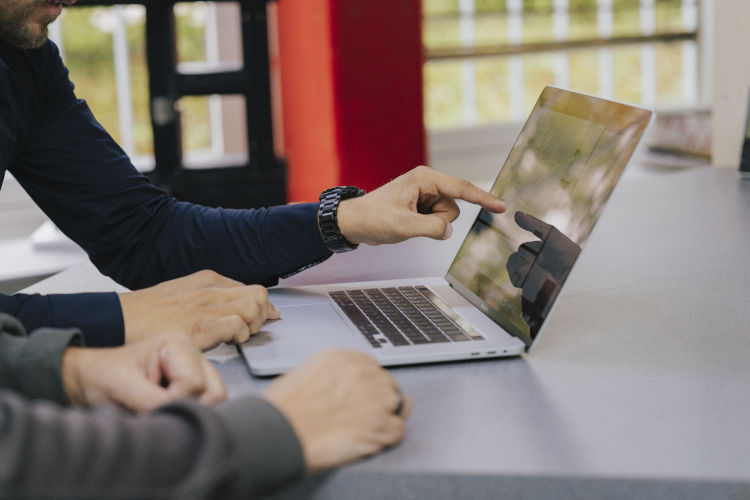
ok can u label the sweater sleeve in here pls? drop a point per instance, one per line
(32, 365)
(241, 449)
(98, 316)
(133, 231)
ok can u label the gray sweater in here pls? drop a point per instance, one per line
(240, 448)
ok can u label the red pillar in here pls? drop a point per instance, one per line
(351, 92)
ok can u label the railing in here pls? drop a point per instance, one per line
(559, 43)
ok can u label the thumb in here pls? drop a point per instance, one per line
(430, 225)
(273, 313)
(143, 395)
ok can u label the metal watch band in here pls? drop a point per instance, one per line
(328, 217)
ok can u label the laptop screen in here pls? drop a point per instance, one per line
(555, 182)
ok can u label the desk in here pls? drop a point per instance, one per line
(638, 388)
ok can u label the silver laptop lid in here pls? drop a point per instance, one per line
(556, 181)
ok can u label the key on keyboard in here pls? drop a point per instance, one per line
(400, 316)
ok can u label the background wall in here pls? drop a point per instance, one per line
(731, 79)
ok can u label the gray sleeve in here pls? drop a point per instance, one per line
(32, 365)
(240, 449)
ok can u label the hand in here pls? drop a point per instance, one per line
(206, 306)
(141, 376)
(421, 202)
(539, 268)
(341, 405)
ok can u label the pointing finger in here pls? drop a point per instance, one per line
(465, 190)
(532, 224)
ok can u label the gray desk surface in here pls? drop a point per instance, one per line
(638, 388)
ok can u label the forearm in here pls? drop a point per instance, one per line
(242, 448)
(32, 366)
(97, 315)
(137, 234)
(251, 246)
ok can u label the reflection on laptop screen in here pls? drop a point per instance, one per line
(556, 180)
(745, 157)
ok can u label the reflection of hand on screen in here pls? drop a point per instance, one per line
(539, 268)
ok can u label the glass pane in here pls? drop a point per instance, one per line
(668, 16)
(491, 29)
(441, 32)
(442, 80)
(87, 45)
(537, 21)
(669, 74)
(88, 53)
(584, 71)
(627, 18)
(582, 24)
(190, 23)
(493, 98)
(196, 129)
(430, 7)
(628, 73)
(538, 72)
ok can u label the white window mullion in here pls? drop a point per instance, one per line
(689, 14)
(122, 80)
(648, 53)
(604, 24)
(648, 74)
(690, 72)
(706, 51)
(515, 63)
(468, 66)
(689, 10)
(561, 21)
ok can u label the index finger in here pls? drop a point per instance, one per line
(462, 189)
(532, 224)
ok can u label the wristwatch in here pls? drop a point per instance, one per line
(328, 217)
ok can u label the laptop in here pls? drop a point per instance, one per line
(507, 275)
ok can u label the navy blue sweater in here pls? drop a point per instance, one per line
(131, 230)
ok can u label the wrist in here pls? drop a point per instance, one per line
(71, 375)
(347, 224)
(129, 306)
(335, 238)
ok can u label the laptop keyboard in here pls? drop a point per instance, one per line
(402, 316)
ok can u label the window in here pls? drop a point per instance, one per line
(488, 60)
(104, 49)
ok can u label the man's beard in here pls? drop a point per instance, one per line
(15, 30)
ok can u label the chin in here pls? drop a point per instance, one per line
(35, 38)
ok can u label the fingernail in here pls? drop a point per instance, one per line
(448, 231)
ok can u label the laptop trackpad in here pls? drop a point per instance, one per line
(311, 320)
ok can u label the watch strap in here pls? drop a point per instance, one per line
(328, 217)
